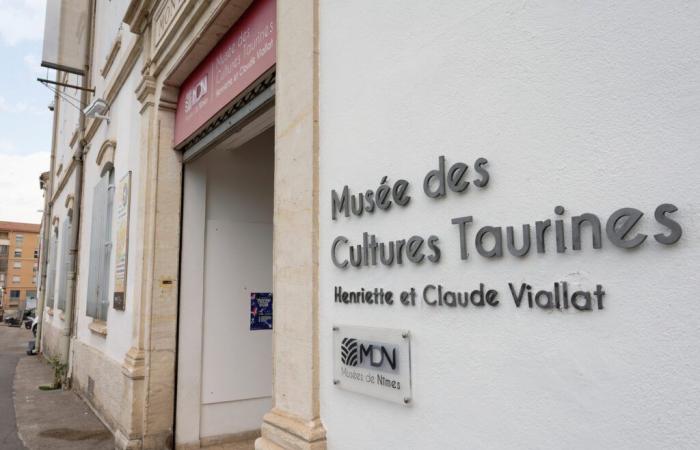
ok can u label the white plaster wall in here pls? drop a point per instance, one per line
(108, 29)
(68, 116)
(124, 129)
(591, 105)
(60, 211)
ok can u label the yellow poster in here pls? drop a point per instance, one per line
(123, 195)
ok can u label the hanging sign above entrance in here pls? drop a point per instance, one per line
(245, 53)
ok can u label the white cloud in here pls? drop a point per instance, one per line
(7, 146)
(34, 65)
(22, 107)
(21, 20)
(20, 196)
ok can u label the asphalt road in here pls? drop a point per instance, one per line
(13, 346)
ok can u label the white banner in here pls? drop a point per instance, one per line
(66, 35)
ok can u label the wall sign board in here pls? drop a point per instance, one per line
(373, 361)
(123, 195)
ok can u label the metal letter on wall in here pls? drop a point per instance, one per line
(66, 35)
(121, 254)
(373, 361)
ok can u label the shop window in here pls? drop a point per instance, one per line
(100, 247)
(17, 264)
(19, 240)
(18, 253)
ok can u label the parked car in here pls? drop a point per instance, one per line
(13, 318)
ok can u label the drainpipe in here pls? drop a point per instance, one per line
(46, 232)
(71, 280)
(72, 275)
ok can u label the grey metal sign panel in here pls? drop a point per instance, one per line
(373, 361)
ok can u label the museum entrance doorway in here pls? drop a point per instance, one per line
(224, 377)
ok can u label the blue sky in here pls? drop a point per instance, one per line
(25, 121)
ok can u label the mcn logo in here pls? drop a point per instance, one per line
(369, 355)
(195, 94)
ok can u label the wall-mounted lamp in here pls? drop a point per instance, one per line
(97, 110)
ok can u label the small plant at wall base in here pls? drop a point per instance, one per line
(59, 375)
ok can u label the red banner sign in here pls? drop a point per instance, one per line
(245, 52)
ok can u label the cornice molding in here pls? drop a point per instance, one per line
(116, 84)
(69, 203)
(112, 56)
(105, 156)
(65, 176)
(168, 98)
(146, 92)
(70, 199)
(138, 15)
(74, 137)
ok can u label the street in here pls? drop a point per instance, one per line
(30, 419)
(12, 348)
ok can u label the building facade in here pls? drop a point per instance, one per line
(310, 224)
(19, 262)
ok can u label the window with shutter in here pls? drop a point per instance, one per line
(100, 248)
(64, 268)
(51, 280)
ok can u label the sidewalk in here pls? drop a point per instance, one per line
(53, 419)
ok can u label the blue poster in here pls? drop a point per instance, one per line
(260, 311)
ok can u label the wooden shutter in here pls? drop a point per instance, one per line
(96, 247)
(64, 267)
(51, 280)
(107, 247)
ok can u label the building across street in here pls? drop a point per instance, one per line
(19, 263)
